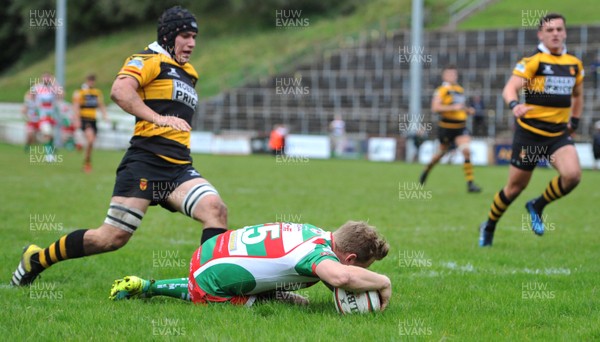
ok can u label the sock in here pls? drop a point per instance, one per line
(176, 288)
(468, 168)
(553, 192)
(49, 148)
(498, 207)
(69, 246)
(209, 232)
(428, 167)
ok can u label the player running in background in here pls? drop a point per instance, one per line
(32, 121)
(67, 126)
(42, 107)
(86, 102)
(450, 102)
(553, 82)
(157, 87)
(265, 261)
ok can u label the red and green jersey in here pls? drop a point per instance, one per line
(256, 259)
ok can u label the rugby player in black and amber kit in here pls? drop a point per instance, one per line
(450, 102)
(157, 87)
(552, 81)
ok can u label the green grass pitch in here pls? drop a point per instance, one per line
(444, 286)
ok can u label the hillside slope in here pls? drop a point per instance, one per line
(224, 57)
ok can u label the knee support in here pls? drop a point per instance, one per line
(193, 197)
(123, 217)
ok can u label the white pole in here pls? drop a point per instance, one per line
(61, 44)
(59, 66)
(416, 68)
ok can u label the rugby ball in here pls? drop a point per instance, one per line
(347, 302)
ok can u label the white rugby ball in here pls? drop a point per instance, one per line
(347, 302)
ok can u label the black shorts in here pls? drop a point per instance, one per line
(447, 135)
(89, 123)
(530, 149)
(596, 149)
(142, 174)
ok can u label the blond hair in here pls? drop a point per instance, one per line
(361, 239)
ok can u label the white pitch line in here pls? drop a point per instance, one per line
(452, 267)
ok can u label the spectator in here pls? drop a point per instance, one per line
(476, 102)
(277, 139)
(596, 72)
(337, 127)
(596, 144)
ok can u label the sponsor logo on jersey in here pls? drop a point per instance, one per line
(136, 62)
(184, 93)
(233, 241)
(173, 73)
(547, 69)
(90, 101)
(328, 253)
(559, 85)
(457, 98)
(520, 67)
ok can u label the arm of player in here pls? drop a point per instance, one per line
(355, 279)
(577, 101)
(124, 93)
(102, 107)
(576, 104)
(511, 93)
(76, 110)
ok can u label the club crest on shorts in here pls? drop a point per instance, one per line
(143, 184)
(523, 154)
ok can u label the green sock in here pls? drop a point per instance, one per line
(176, 288)
(49, 148)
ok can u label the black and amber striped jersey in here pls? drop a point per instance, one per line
(450, 94)
(167, 88)
(550, 80)
(89, 99)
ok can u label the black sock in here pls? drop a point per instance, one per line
(498, 207)
(553, 191)
(490, 226)
(539, 204)
(210, 232)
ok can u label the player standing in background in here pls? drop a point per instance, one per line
(67, 125)
(337, 127)
(553, 82)
(157, 87)
(42, 106)
(86, 101)
(265, 261)
(450, 102)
